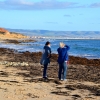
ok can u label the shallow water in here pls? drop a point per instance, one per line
(83, 48)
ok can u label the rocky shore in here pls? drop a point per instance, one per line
(22, 70)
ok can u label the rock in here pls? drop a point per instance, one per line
(4, 31)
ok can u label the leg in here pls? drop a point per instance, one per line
(60, 71)
(45, 71)
(64, 70)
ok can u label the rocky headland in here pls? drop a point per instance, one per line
(12, 37)
(5, 34)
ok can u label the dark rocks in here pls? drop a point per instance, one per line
(84, 61)
(36, 56)
(80, 69)
(12, 41)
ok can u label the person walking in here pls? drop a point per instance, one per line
(62, 60)
(45, 60)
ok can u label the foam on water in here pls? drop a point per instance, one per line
(82, 48)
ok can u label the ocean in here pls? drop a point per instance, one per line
(88, 48)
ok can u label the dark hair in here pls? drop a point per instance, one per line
(47, 43)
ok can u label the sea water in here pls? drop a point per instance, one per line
(89, 48)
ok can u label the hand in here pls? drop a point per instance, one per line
(68, 62)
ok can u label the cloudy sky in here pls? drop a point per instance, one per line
(64, 15)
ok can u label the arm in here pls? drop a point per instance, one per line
(67, 47)
(58, 50)
(49, 53)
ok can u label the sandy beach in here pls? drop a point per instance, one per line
(67, 32)
(21, 78)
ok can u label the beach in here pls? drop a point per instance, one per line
(35, 29)
(21, 75)
(21, 78)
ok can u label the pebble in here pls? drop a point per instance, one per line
(6, 63)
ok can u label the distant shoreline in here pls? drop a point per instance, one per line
(66, 34)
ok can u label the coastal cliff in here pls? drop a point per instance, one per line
(5, 34)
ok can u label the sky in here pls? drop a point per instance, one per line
(57, 15)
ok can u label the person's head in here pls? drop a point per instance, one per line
(47, 43)
(61, 44)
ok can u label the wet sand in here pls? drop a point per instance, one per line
(21, 78)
